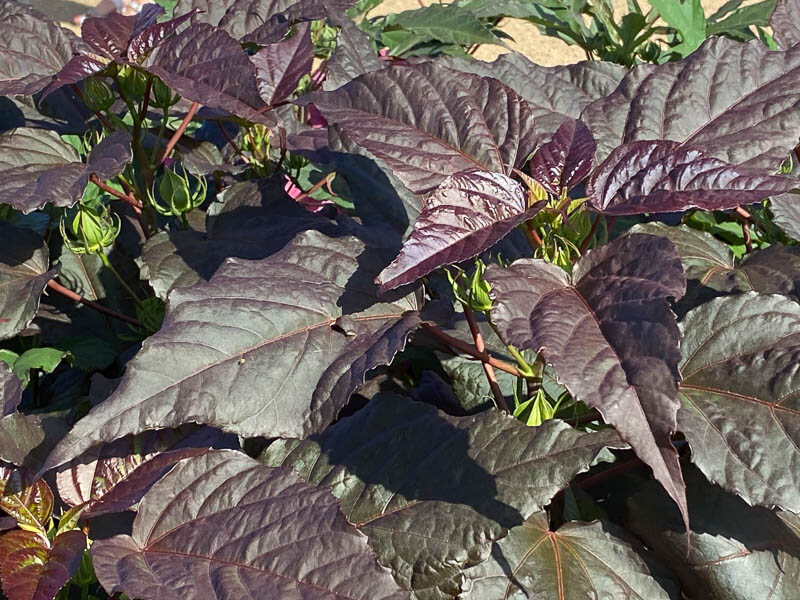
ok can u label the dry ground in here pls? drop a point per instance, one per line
(527, 40)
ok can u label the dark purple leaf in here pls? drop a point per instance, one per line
(467, 214)
(24, 262)
(267, 348)
(245, 20)
(257, 219)
(353, 56)
(10, 389)
(280, 66)
(206, 65)
(37, 168)
(109, 35)
(112, 477)
(785, 209)
(147, 38)
(248, 531)
(578, 560)
(77, 69)
(29, 501)
(785, 23)
(554, 94)
(28, 439)
(732, 101)
(427, 122)
(610, 336)
(432, 491)
(739, 396)
(34, 568)
(565, 161)
(662, 176)
(33, 49)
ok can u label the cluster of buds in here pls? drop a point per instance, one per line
(92, 229)
(472, 291)
(177, 194)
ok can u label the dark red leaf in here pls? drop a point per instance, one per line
(280, 66)
(564, 161)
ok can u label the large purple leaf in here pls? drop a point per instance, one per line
(206, 65)
(78, 68)
(28, 439)
(267, 348)
(280, 66)
(432, 491)
(222, 526)
(785, 209)
(610, 336)
(353, 56)
(24, 262)
(739, 396)
(250, 20)
(33, 49)
(37, 168)
(427, 122)
(10, 390)
(112, 477)
(662, 176)
(554, 94)
(732, 101)
(565, 161)
(34, 568)
(785, 23)
(578, 560)
(467, 214)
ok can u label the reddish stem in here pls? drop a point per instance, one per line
(534, 235)
(117, 194)
(487, 368)
(314, 187)
(590, 236)
(471, 350)
(146, 99)
(179, 132)
(57, 287)
(233, 144)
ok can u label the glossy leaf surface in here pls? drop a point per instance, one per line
(564, 161)
(280, 66)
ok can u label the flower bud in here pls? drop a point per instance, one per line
(163, 97)
(91, 230)
(176, 192)
(133, 81)
(97, 94)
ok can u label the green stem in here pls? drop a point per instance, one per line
(161, 131)
(122, 282)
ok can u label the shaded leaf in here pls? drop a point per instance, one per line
(662, 176)
(743, 428)
(112, 477)
(280, 66)
(735, 552)
(33, 568)
(785, 23)
(256, 220)
(554, 94)
(11, 389)
(609, 335)
(448, 23)
(262, 352)
(353, 56)
(786, 211)
(29, 501)
(249, 531)
(28, 439)
(432, 491)
(33, 47)
(206, 65)
(38, 168)
(427, 122)
(467, 214)
(564, 161)
(579, 560)
(731, 101)
(23, 277)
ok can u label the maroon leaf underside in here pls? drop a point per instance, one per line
(610, 336)
(662, 176)
(566, 160)
(428, 122)
(785, 23)
(467, 214)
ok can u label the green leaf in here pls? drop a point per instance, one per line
(579, 560)
(46, 359)
(742, 19)
(740, 396)
(447, 23)
(688, 18)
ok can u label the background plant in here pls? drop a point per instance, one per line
(299, 302)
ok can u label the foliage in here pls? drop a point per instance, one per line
(299, 302)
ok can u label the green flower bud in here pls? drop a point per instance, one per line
(163, 97)
(175, 190)
(92, 229)
(133, 81)
(471, 291)
(650, 52)
(97, 94)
